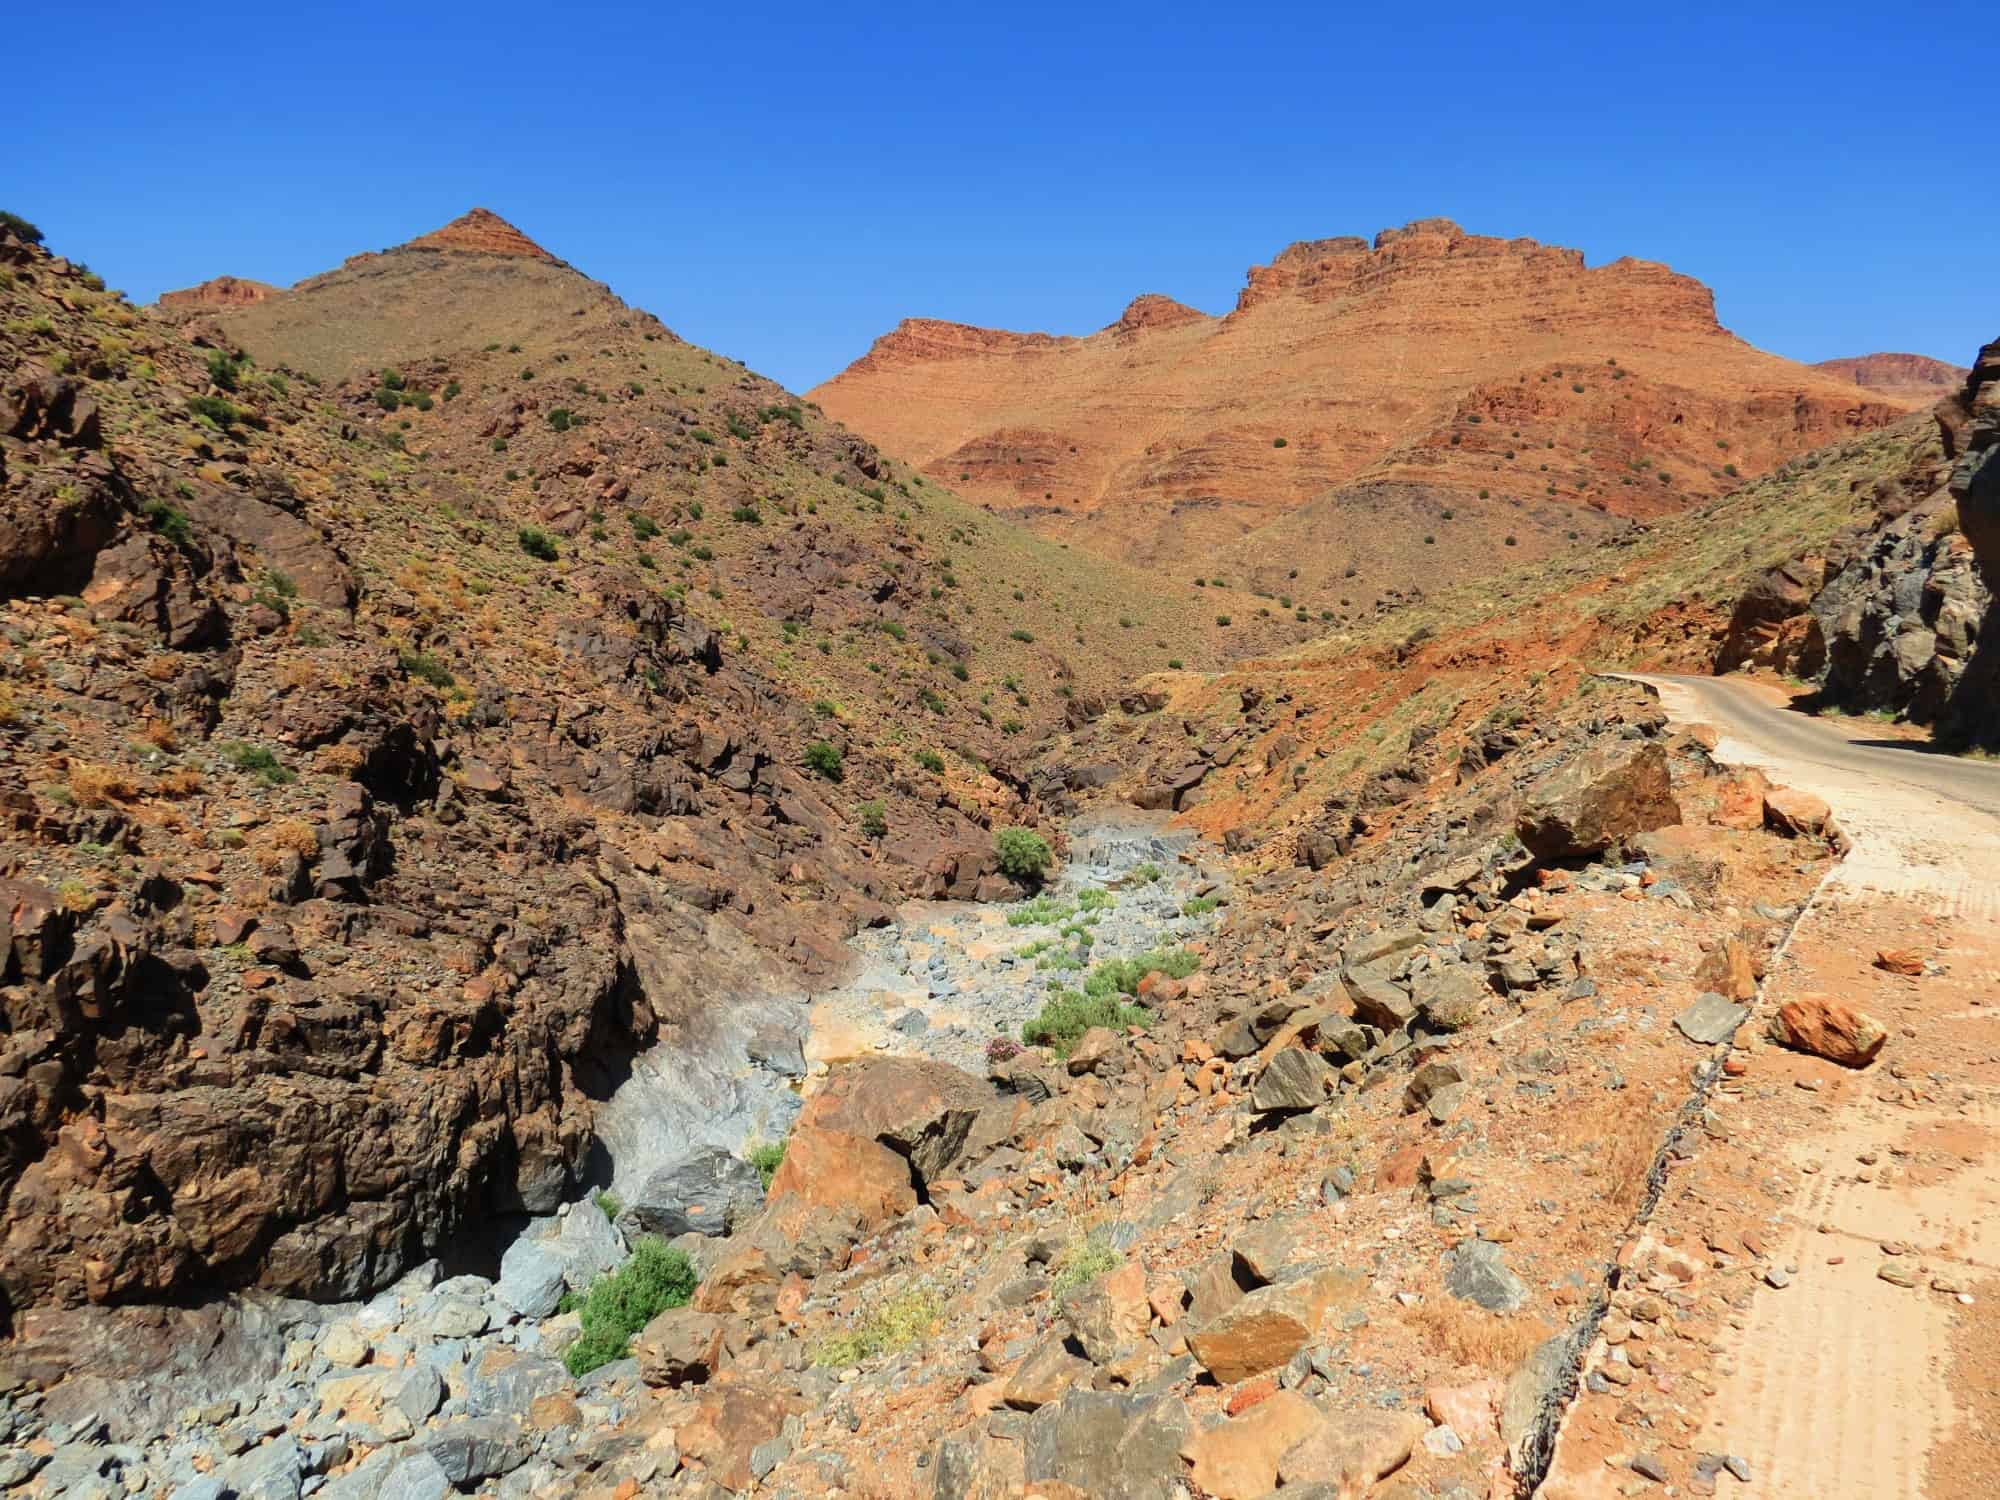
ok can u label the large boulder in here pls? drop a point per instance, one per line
(1601, 797)
(1109, 1446)
(1823, 1026)
(877, 1133)
(682, 1346)
(708, 1191)
(1266, 1327)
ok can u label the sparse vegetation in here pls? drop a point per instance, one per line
(1023, 853)
(825, 760)
(766, 1157)
(537, 543)
(618, 1305)
(1081, 1262)
(894, 1324)
(262, 762)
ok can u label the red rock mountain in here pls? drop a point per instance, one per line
(1916, 378)
(221, 291)
(1433, 383)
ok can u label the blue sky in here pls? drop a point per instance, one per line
(782, 183)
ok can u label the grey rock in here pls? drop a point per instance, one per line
(1711, 1019)
(417, 1393)
(1378, 1000)
(709, 1191)
(1294, 1079)
(207, 1487)
(1110, 1446)
(473, 1448)
(416, 1476)
(274, 1471)
(456, 1318)
(501, 1383)
(533, 1277)
(1477, 1272)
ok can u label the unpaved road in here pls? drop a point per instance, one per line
(1839, 1384)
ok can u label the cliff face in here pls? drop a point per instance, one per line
(220, 291)
(1467, 371)
(1915, 378)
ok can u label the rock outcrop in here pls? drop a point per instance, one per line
(1915, 378)
(219, 291)
(1433, 399)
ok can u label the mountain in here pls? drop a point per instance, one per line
(429, 687)
(1358, 398)
(220, 291)
(1913, 378)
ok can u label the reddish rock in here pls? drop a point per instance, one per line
(730, 1421)
(1793, 813)
(1238, 1459)
(1268, 1326)
(1825, 1027)
(1353, 1451)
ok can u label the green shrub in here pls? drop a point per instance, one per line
(427, 668)
(20, 228)
(1023, 852)
(1021, 635)
(766, 1157)
(607, 1203)
(1277, 442)
(1146, 874)
(222, 413)
(560, 419)
(1081, 1262)
(262, 762)
(1068, 1015)
(747, 514)
(896, 1324)
(874, 819)
(387, 399)
(931, 761)
(617, 1306)
(1121, 976)
(171, 522)
(824, 759)
(1198, 906)
(644, 527)
(223, 371)
(537, 543)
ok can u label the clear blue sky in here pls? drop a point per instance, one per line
(782, 182)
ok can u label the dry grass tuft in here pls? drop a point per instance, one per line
(100, 786)
(1472, 1336)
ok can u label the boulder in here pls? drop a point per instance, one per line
(415, 1476)
(1109, 1314)
(1450, 998)
(504, 1382)
(1602, 796)
(1294, 1079)
(1477, 1272)
(533, 1277)
(1794, 813)
(728, 1427)
(1109, 1446)
(1353, 1451)
(681, 1346)
(1266, 1327)
(1043, 1376)
(708, 1191)
(1378, 999)
(1823, 1026)
(1238, 1459)
(475, 1448)
(1711, 1020)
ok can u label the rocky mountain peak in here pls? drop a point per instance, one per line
(479, 232)
(1153, 310)
(220, 291)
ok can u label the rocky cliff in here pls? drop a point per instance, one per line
(219, 291)
(1486, 399)
(1913, 378)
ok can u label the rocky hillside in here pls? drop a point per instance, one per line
(390, 760)
(1425, 408)
(1913, 378)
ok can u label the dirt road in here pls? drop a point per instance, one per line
(1863, 1366)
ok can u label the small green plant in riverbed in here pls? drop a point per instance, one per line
(1043, 911)
(1068, 1015)
(1080, 1263)
(617, 1306)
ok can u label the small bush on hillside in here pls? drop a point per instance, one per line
(20, 228)
(223, 371)
(1082, 1262)
(222, 413)
(824, 759)
(560, 419)
(874, 818)
(607, 1203)
(1277, 442)
(617, 1306)
(537, 543)
(261, 762)
(931, 761)
(171, 522)
(427, 668)
(1023, 853)
(896, 1324)
(387, 399)
(644, 527)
